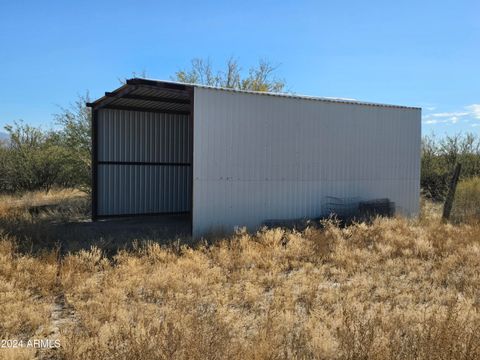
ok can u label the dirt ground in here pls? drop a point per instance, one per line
(116, 233)
(62, 221)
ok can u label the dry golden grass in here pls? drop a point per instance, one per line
(395, 289)
(27, 288)
(9, 203)
(36, 220)
(466, 206)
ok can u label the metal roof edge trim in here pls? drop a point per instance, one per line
(173, 85)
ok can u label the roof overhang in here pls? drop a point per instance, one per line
(164, 96)
(147, 95)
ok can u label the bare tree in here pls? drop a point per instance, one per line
(258, 78)
(140, 74)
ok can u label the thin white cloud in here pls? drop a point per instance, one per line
(469, 112)
(431, 119)
(450, 114)
(474, 109)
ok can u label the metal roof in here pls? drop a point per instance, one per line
(170, 96)
(147, 95)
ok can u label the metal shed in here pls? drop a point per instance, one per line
(228, 158)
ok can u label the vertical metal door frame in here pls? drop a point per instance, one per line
(192, 162)
(94, 134)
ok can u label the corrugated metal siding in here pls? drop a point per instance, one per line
(143, 137)
(260, 157)
(143, 189)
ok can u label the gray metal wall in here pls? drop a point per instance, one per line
(261, 157)
(140, 148)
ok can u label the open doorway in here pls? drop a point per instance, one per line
(142, 151)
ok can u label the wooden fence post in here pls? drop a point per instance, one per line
(447, 207)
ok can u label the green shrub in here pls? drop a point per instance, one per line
(439, 157)
(35, 159)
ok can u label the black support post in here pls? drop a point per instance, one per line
(94, 164)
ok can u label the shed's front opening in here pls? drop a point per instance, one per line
(142, 150)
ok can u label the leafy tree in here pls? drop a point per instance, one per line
(439, 157)
(75, 137)
(258, 78)
(33, 159)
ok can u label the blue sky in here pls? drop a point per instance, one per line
(421, 53)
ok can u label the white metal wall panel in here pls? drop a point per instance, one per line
(135, 155)
(259, 157)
